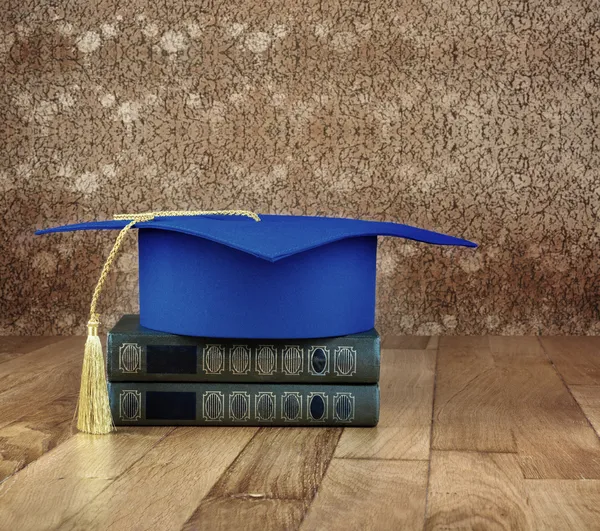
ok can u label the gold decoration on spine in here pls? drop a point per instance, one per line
(94, 414)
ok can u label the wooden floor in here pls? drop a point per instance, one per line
(476, 432)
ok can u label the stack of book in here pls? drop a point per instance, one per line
(157, 378)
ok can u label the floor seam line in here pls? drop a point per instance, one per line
(310, 502)
(566, 385)
(427, 484)
(208, 494)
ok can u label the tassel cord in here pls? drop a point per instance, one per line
(106, 268)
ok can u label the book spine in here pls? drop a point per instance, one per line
(207, 404)
(160, 358)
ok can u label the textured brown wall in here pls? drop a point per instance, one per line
(476, 118)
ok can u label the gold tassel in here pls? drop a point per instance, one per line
(94, 414)
(94, 410)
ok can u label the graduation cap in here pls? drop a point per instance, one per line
(236, 274)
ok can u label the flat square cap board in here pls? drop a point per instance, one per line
(280, 277)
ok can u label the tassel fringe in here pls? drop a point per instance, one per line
(93, 409)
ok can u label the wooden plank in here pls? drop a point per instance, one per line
(461, 342)
(32, 381)
(588, 398)
(554, 439)
(247, 513)
(66, 479)
(559, 504)
(32, 366)
(167, 484)
(470, 403)
(38, 405)
(405, 342)
(371, 494)
(512, 403)
(280, 463)
(521, 345)
(470, 490)
(14, 346)
(403, 432)
(576, 358)
(476, 491)
(30, 437)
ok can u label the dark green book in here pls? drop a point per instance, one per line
(221, 404)
(139, 354)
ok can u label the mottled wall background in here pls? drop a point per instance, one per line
(476, 118)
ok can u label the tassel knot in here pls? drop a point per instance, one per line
(92, 327)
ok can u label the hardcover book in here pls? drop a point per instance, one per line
(139, 354)
(230, 404)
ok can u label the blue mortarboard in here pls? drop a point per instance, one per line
(280, 277)
(235, 274)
